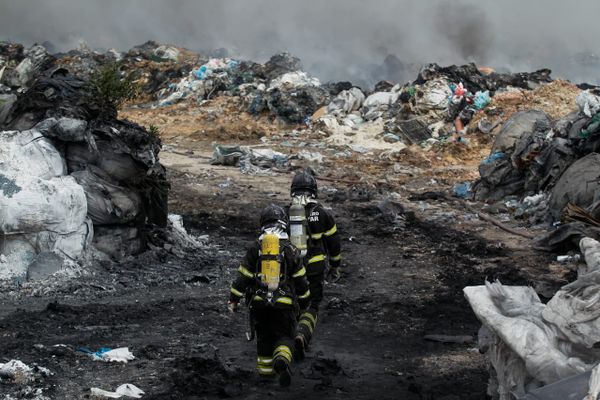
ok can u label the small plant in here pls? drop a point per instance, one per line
(111, 89)
(153, 130)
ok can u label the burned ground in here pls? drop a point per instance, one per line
(401, 281)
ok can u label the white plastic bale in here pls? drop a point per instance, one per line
(377, 103)
(29, 205)
(590, 249)
(293, 80)
(436, 94)
(18, 252)
(346, 102)
(510, 374)
(72, 245)
(588, 103)
(575, 309)
(594, 384)
(29, 153)
(525, 334)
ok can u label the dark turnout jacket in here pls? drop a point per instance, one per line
(293, 288)
(324, 240)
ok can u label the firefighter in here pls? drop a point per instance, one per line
(273, 281)
(314, 232)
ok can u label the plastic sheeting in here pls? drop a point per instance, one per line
(377, 103)
(519, 124)
(554, 341)
(107, 202)
(346, 102)
(588, 103)
(293, 80)
(579, 184)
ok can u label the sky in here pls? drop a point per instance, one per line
(335, 39)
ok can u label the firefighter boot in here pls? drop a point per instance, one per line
(300, 345)
(282, 357)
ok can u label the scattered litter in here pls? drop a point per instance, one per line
(126, 390)
(122, 354)
(462, 190)
(568, 258)
(18, 372)
(311, 156)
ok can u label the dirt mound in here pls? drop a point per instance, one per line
(218, 119)
(556, 98)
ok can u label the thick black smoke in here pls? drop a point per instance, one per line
(336, 39)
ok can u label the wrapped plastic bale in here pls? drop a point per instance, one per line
(519, 141)
(346, 102)
(433, 97)
(38, 216)
(575, 309)
(30, 153)
(116, 159)
(519, 124)
(553, 341)
(25, 253)
(118, 241)
(29, 204)
(107, 202)
(119, 166)
(376, 104)
(295, 96)
(579, 185)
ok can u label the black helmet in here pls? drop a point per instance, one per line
(304, 182)
(273, 215)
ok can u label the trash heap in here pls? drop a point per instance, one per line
(437, 106)
(548, 169)
(72, 175)
(530, 344)
(278, 87)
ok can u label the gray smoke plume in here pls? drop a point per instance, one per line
(336, 39)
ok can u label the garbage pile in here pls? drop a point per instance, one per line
(554, 160)
(72, 175)
(439, 103)
(278, 87)
(530, 344)
(437, 106)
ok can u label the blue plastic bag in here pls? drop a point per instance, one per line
(497, 155)
(481, 99)
(462, 190)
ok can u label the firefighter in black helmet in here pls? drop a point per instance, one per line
(321, 245)
(273, 281)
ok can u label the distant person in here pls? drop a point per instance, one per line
(314, 232)
(273, 281)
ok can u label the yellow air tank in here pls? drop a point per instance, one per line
(270, 265)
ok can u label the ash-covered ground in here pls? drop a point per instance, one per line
(401, 281)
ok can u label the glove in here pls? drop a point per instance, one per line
(334, 274)
(232, 307)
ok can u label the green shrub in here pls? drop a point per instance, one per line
(153, 130)
(110, 88)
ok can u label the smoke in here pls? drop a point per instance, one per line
(336, 39)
